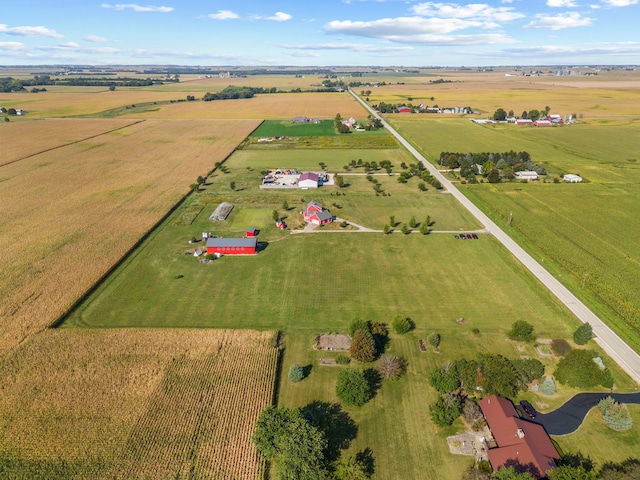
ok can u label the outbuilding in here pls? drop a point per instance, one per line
(308, 180)
(572, 178)
(529, 175)
(252, 232)
(232, 246)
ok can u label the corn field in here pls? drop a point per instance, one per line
(167, 404)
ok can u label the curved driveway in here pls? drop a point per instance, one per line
(570, 416)
(610, 342)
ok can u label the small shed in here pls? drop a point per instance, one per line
(252, 232)
(572, 178)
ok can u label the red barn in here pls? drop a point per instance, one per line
(404, 110)
(232, 246)
(251, 232)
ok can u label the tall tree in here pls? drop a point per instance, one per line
(296, 447)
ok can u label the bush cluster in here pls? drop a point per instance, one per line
(615, 415)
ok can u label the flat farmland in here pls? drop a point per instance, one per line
(69, 214)
(586, 232)
(135, 404)
(29, 138)
(310, 104)
(78, 101)
(608, 97)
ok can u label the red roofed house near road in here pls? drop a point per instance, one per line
(522, 444)
(314, 213)
(232, 246)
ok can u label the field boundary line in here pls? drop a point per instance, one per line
(71, 143)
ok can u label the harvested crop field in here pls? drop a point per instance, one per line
(320, 105)
(135, 404)
(71, 213)
(29, 138)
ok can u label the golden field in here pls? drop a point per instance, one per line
(606, 97)
(320, 105)
(30, 138)
(71, 213)
(133, 403)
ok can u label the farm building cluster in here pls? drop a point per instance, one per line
(292, 178)
(551, 120)
(218, 246)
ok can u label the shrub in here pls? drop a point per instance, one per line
(390, 366)
(616, 415)
(583, 334)
(342, 359)
(444, 379)
(529, 369)
(446, 409)
(577, 369)
(358, 324)
(521, 331)
(473, 414)
(352, 387)
(363, 347)
(434, 340)
(548, 386)
(401, 324)
(560, 347)
(296, 373)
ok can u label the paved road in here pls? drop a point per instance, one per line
(570, 416)
(610, 342)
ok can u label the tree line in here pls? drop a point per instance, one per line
(494, 165)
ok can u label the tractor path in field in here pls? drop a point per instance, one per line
(611, 343)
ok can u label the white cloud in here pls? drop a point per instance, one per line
(472, 10)
(138, 8)
(12, 46)
(223, 15)
(70, 45)
(95, 39)
(558, 22)
(400, 27)
(354, 47)
(280, 17)
(277, 17)
(620, 3)
(29, 31)
(561, 3)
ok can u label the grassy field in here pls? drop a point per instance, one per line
(572, 227)
(432, 279)
(97, 197)
(135, 404)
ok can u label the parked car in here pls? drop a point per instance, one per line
(463, 236)
(528, 409)
(475, 237)
(456, 237)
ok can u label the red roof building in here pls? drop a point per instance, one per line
(314, 213)
(522, 444)
(232, 246)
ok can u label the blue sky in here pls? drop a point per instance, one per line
(320, 33)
